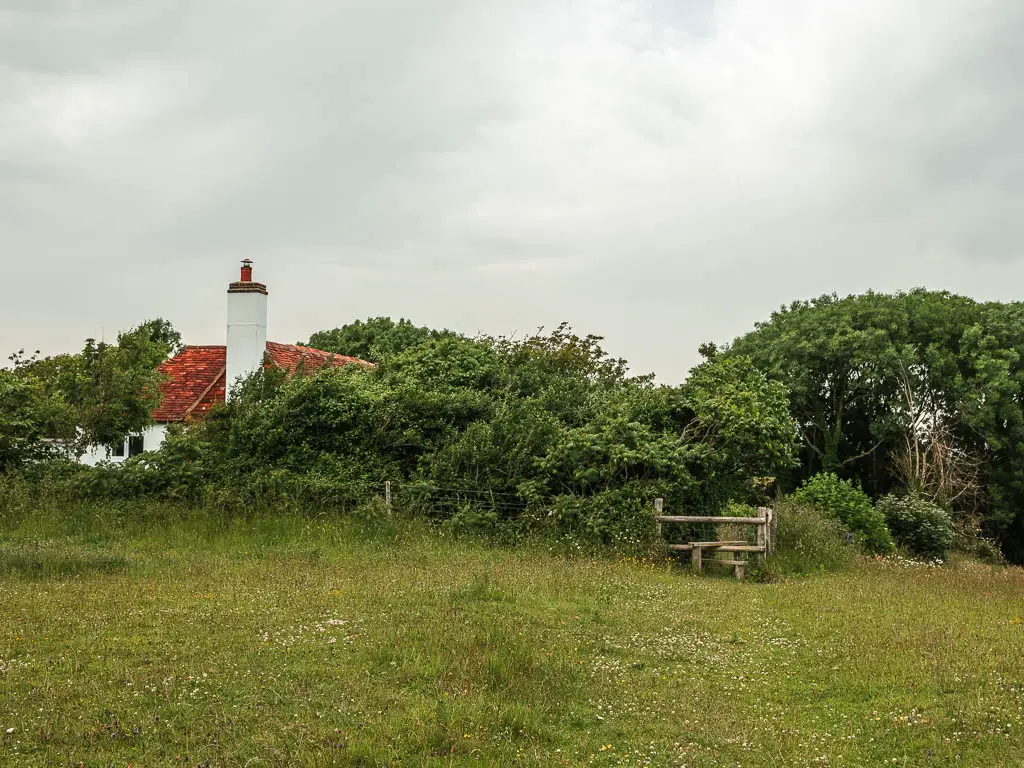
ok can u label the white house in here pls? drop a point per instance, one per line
(198, 377)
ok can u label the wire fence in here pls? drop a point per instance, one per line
(445, 501)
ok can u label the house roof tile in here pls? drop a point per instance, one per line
(196, 378)
(288, 357)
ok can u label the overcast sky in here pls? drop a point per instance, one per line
(659, 172)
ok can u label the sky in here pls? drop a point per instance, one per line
(657, 172)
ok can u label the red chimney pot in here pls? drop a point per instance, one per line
(246, 271)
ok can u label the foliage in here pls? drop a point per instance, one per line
(116, 387)
(375, 339)
(105, 392)
(739, 422)
(155, 339)
(472, 519)
(445, 361)
(920, 525)
(807, 540)
(24, 415)
(546, 431)
(992, 409)
(619, 518)
(920, 391)
(851, 506)
(931, 461)
(842, 361)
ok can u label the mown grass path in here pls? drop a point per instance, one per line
(290, 642)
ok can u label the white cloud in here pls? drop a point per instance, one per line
(663, 173)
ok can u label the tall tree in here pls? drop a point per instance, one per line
(846, 362)
(873, 376)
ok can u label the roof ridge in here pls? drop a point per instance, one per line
(314, 349)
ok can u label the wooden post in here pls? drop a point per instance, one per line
(697, 558)
(764, 532)
(659, 508)
(387, 492)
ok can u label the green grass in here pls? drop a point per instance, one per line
(298, 642)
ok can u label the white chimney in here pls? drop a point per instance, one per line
(247, 326)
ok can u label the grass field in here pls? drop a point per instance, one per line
(297, 642)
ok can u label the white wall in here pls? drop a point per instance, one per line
(94, 454)
(152, 439)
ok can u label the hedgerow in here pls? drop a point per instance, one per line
(491, 434)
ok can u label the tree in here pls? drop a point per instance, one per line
(376, 339)
(159, 339)
(920, 390)
(107, 391)
(932, 462)
(25, 412)
(741, 422)
(845, 361)
(992, 411)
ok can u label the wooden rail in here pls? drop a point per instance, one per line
(708, 519)
(697, 548)
(715, 545)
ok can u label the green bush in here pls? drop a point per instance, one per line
(619, 518)
(851, 506)
(472, 519)
(807, 540)
(920, 525)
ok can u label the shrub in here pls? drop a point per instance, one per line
(807, 540)
(472, 519)
(620, 518)
(851, 506)
(920, 525)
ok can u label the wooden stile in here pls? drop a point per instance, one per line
(697, 548)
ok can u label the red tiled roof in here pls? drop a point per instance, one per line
(288, 357)
(196, 377)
